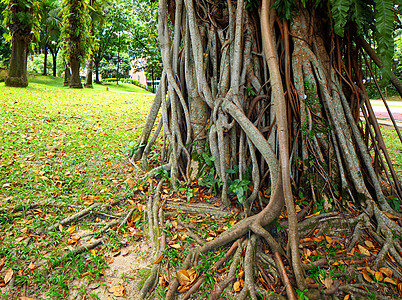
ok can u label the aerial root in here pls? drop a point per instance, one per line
(249, 285)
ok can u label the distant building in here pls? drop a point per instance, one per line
(137, 71)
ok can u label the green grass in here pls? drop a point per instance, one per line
(44, 82)
(64, 145)
(394, 147)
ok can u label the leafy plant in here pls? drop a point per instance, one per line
(301, 295)
(239, 187)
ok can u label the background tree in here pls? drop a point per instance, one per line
(21, 17)
(266, 98)
(75, 37)
(5, 47)
(144, 43)
(116, 20)
(49, 29)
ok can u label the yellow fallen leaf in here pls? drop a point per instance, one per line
(329, 239)
(175, 246)
(71, 229)
(346, 297)
(238, 285)
(60, 227)
(183, 277)
(141, 207)
(183, 288)
(93, 252)
(158, 260)
(378, 276)
(31, 266)
(118, 290)
(315, 214)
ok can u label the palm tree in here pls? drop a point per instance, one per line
(21, 18)
(50, 31)
(75, 37)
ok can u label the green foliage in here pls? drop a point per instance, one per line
(384, 21)
(285, 8)
(5, 47)
(339, 10)
(240, 188)
(22, 17)
(75, 34)
(301, 295)
(206, 170)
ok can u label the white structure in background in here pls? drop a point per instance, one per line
(137, 70)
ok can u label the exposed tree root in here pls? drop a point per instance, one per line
(267, 110)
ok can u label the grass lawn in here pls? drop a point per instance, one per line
(66, 149)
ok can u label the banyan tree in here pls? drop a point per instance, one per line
(271, 97)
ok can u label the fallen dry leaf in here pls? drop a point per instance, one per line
(118, 290)
(390, 280)
(386, 271)
(158, 260)
(141, 207)
(8, 276)
(130, 183)
(183, 277)
(363, 250)
(31, 266)
(238, 285)
(369, 244)
(26, 298)
(328, 282)
(366, 276)
(71, 229)
(378, 276)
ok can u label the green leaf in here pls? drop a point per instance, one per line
(384, 19)
(339, 10)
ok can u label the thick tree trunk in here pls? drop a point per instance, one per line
(45, 62)
(17, 71)
(89, 72)
(75, 80)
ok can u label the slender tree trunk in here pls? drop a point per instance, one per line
(97, 72)
(75, 80)
(67, 76)
(17, 71)
(54, 56)
(89, 73)
(45, 62)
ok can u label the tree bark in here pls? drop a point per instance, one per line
(75, 80)
(97, 72)
(17, 71)
(54, 64)
(45, 62)
(67, 76)
(89, 72)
